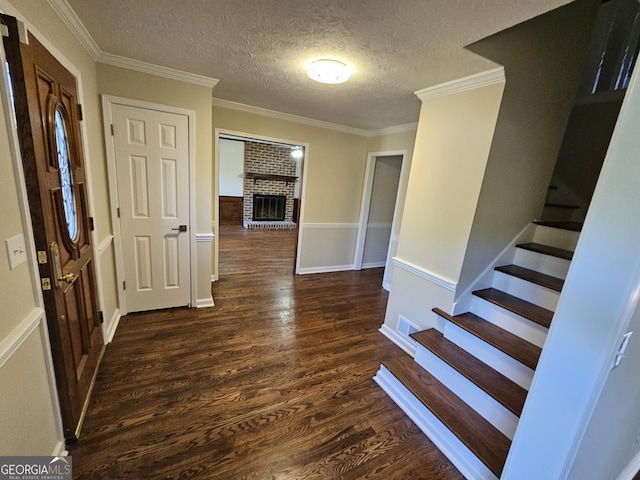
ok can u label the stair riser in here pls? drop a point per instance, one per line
(476, 398)
(531, 292)
(457, 452)
(554, 266)
(496, 359)
(523, 328)
(556, 237)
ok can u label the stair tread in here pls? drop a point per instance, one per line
(547, 250)
(521, 307)
(516, 347)
(486, 442)
(508, 393)
(561, 205)
(573, 226)
(548, 281)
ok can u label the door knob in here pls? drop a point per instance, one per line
(181, 228)
(69, 277)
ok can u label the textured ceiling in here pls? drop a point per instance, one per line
(259, 49)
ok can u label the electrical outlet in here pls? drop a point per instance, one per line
(16, 251)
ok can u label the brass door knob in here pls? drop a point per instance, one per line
(69, 277)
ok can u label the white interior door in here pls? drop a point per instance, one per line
(152, 164)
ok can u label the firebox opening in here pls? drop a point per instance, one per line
(269, 207)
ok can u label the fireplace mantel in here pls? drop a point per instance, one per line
(270, 176)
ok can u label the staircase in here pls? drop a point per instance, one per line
(468, 382)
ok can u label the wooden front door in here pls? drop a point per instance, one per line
(48, 117)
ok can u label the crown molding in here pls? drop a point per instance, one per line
(218, 102)
(477, 80)
(409, 127)
(71, 20)
(160, 71)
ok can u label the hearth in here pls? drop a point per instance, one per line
(269, 207)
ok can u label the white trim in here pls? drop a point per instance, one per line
(463, 302)
(482, 79)
(330, 225)
(630, 470)
(400, 340)
(60, 450)
(221, 132)
(107, 102)
(205, 237)
(113, 326)
(71, 20)
(456, 451)
(425, 274)
(205, 302)
(409, 127)
(18, 335)
(365, 266)
(106, 243)
(157, 70)
(325, 269)
(218, 102)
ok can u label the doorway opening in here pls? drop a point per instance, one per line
(259, 187)
(377, 238)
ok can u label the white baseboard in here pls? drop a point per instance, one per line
(458, 453)
(114, 322)
(327, 269)
(60, 450)
(205, 302)
(400, 340)
(373, 265)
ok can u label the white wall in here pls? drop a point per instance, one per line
(231, 181)
(580, 418)
(451, 150)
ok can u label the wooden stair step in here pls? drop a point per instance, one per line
(508, 393)
(485, 441)
(542, 279)
(517, 348)
(564, 225)
(521, 307)
(561, 205)
(547, 250)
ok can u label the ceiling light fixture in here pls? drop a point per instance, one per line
(328, 71)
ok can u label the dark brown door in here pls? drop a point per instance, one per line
(48, 117)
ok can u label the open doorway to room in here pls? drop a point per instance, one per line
(378, 228)
(257, 200)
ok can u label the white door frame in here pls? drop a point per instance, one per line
(366, 204)
(216, 190)
(107, 102)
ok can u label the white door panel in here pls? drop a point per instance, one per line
(152, 163)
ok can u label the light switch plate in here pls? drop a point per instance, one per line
(16, 251)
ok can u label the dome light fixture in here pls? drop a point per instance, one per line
(328, 71)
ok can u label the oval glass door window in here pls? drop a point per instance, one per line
(66, 180)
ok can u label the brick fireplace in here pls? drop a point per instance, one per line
(269, 175)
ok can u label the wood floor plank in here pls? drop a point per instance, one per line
(275, 381)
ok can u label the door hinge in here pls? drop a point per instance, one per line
(80, 115)
(118, 211)
(124, 285)
(101, 316)
(112, 134)
(91, 224)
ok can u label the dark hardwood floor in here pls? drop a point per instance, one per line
(274, 382)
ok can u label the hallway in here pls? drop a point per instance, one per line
(275, 381)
